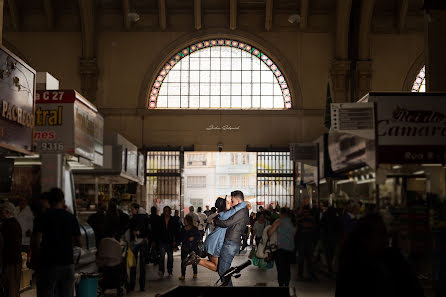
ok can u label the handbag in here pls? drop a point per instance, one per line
(131, 260)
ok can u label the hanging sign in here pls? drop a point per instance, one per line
(17, 89)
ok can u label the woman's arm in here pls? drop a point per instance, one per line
(273, 227)
(223, 216)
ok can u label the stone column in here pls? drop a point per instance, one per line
(340, 80)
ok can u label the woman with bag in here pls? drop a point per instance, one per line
(285, 229)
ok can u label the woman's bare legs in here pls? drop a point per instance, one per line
(210, 264)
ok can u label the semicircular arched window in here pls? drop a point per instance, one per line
(419, 85)
(220, 74)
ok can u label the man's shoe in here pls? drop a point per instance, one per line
(195, 276)
(181, 278)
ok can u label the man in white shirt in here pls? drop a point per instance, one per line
(194, 216)
(202, 221)
(25, 218)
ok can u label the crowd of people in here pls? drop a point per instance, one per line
(358, 245)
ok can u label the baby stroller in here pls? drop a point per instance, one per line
(110, 259)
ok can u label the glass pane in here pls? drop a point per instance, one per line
(246, 76)
(236, 101)
(174, 76)
(174, 89)
(215, 89)
(267, 77)
(255, 76)
(236, 64)
(215, 52)
(263, 67)
(267, 102)
(163, 90)
(225, 101)
(204, 101)
(215, 63)
(256, 101)
(206, 52)
(225, 63)
(256, 89)
(205, 64)
(174, 102)
(277, 90)
(205, 88)
(246, 64)
(215, 101)
(225, 51)
(236, 53)
(246, 101)
(184, 101)
(184, 76)
(267, 89)
(256, 64)
(194, 64)
(236, 76)
(225, 89)
(205, 76)
(215, 76)
(246, 89)
(162, 102)
(194, 76)
(194, 89)
(278, 102)
(194, 101)
(236, 89)
(184, 89)
(184, 63)
(225, 76)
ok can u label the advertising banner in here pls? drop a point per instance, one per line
(67, 123)
(17, 89)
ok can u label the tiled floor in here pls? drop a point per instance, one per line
(251, 276)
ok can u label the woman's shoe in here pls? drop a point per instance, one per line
(192, 259)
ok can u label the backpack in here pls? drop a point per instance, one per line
(267, 245)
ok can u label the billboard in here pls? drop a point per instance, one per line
(17, 89)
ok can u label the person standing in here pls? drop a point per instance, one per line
(194, 216)
(25, 218)
(285, 229)
(12, 256)
(178, 218)
(258, 228)
(189, 237)
(139, 234)
(167, 238)
(235, 227)
(201, 222)
(97, 222)
(207, 212)
(57, 230)
(305, 239)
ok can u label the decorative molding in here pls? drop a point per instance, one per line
(197, 14)
(233, 14)
(363, 78)
(402, 15)
(49, 12)
(365, 23)
(340, 79)
(14, 13)
(343, 10)
(304, 13)
(162, 14)
(268, 15)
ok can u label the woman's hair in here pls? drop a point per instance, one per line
(220, 204)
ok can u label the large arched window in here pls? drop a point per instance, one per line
(220, 74)
(419, 85)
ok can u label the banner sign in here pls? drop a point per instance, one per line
(67, 123)
(17, 89)
(353, 118)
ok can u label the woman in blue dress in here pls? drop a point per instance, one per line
(214, 241)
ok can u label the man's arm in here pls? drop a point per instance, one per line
(235, 219)
(229, 213)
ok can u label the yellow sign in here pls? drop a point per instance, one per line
(52, 117)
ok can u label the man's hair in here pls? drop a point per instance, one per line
(189, 220)
(55, 196)
(238, 194)
(135, 206)
(191, 208)
(167, 207)
(199, 209)
(153, 210)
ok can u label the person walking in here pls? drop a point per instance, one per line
(167, 239)
(25, 218)
(139, 234)
(285, 229)
(235, 227)
(57, 230)
(194, 216)
(189, 237)
(12, 246)
(305, 239)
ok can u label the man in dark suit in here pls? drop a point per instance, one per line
(236, 226)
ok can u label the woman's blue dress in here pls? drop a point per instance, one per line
(214, 241)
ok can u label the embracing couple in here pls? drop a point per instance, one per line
(224, 242)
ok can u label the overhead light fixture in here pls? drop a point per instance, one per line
(396, 167)
(431, 165)
(366, 181)
(294, 18)
(418, 172)
(345, 181)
